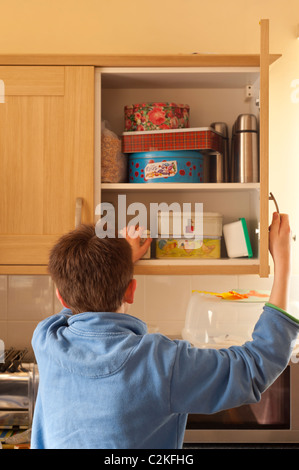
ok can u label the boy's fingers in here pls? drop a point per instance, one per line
(281, 225)
(284, 223)
(284, 220)
(132, 232)
(146, 244)
(275, 221)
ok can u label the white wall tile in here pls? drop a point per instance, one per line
(254, 282)
(137, 309)
(57, 306)
(166, 298)
(3, 298)
(29, 297)
(214, 283)
(172, 329)
(160, 301)
(3, 332)
(19, 333)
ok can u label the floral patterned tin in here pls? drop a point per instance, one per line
(153, 116)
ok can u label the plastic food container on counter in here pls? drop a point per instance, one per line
(156, 115)
(213, 322)
(166, 167)
(170, 246)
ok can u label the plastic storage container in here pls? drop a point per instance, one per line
(166, 167)
(237, 239)
(151, 116)
(212, 322)
(172, 223)
(173, 241)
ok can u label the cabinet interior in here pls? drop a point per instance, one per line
(214, 94)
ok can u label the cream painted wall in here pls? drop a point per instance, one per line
(167, 26)
(178, 26)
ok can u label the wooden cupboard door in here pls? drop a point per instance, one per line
(46, 155)
(264, 149)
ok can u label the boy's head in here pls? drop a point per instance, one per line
(92, 274)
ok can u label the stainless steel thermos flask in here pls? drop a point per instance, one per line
(219, 164)
(244, 150)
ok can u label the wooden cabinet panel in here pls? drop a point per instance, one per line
(69, 152)
(21, 151)
(46, 154)
(33, 81)
(264, 149)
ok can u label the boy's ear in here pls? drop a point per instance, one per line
(61, 299)
(129, 294)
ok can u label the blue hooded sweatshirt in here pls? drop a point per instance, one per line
(105, 383)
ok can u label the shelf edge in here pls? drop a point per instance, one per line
(196, 270)
(179, 186)
(137, 60)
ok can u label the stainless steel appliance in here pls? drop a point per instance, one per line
(244, 150)
(18, 389)
(275, 419)
(219, 164)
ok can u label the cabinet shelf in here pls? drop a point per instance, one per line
(190, 187)
(197, 266)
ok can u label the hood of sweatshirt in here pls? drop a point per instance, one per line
(91, 344)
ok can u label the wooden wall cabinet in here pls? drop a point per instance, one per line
(50, 148)
(46, 153)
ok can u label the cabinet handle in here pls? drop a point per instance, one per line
(78, 211)
(272, 198)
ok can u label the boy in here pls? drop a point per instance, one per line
(106, 383)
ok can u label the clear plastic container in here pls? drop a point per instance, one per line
(173, 241)
(212, 322)
(171, 224)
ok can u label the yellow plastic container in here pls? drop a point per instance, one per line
(172, 242)
(180, 248)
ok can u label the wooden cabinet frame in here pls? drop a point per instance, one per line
(115, 77)
(35, 263)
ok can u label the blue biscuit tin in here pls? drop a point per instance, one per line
(179, 166)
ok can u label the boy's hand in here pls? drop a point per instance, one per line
(133, 237)
(280, 239)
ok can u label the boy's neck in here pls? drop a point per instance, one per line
(123, 308)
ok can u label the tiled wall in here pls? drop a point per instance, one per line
(160, 301)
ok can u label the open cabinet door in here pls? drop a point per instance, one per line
(46, 157)
(264, 148)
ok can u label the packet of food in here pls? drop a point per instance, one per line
(113, 161)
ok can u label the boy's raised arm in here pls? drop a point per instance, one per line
(280, 248)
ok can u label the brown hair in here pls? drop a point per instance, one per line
(91, 273)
